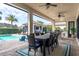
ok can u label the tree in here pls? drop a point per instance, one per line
(0, 17)
(11, 18)
(57, 28)
(73, 30)
(0, 14)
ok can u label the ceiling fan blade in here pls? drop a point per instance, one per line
(42, 5)
(63, 16)
(47, 7)
(53, 5)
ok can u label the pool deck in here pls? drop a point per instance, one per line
(6, 46)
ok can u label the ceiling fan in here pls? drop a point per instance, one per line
(60, 15)
(48, 5)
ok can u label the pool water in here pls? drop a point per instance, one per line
(10, 37)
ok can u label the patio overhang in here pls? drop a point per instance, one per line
(70, 11)
(34, 11)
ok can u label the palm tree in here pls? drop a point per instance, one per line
(0, 14)
(11, 18)
(0, 17)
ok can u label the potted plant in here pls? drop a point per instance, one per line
(73, 31)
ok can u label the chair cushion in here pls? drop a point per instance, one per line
(23, 38)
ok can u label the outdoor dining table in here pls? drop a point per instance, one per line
(43, 38)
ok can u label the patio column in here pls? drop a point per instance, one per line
(30, 23)
(67, 27)
(53, 26)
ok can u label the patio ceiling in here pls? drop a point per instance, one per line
(69, 10)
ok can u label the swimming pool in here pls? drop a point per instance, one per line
(10, 37)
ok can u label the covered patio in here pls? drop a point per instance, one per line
(63, 15)
(62, 18)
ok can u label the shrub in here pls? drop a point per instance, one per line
(9, 31)
(73, 30)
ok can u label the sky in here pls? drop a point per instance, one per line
(8, 10)
(20, 15)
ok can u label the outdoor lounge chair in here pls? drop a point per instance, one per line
(23, 38)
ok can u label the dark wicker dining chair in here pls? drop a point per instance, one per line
(42, 33)
(37, 34)
(33, 44)
(49, 43)
(53, 40)
(56, 38)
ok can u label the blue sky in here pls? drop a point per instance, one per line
(21, 16)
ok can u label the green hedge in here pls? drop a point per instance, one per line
(9, 31)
